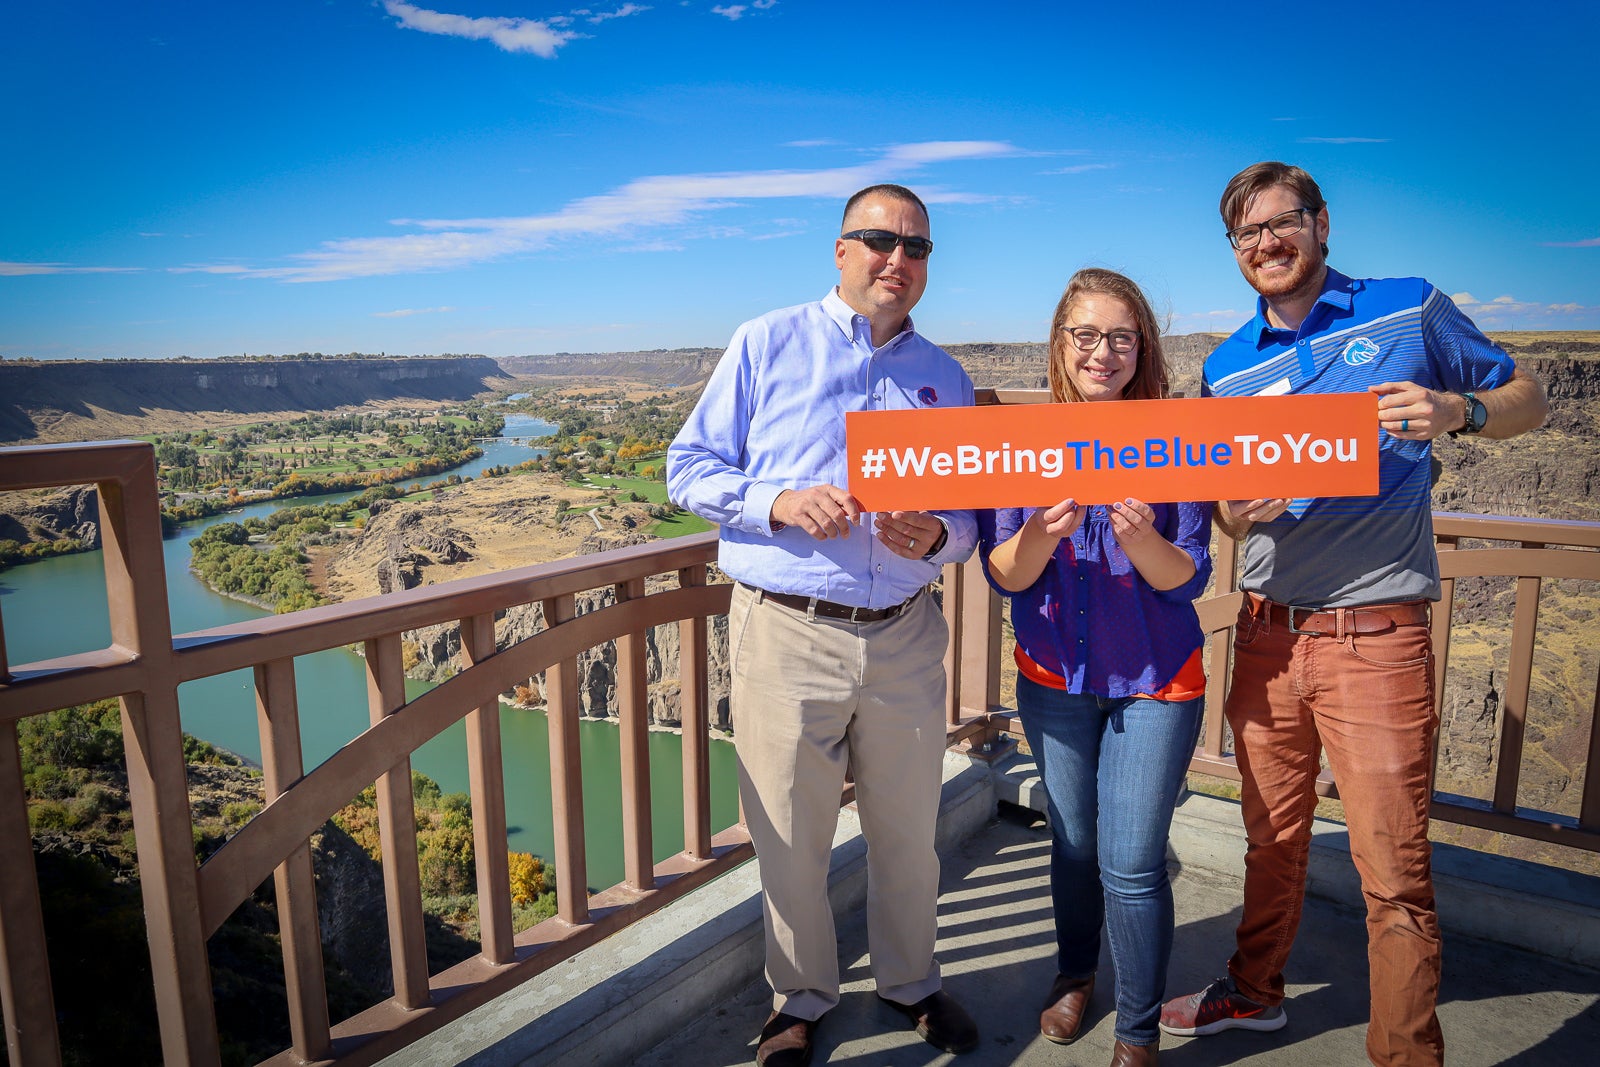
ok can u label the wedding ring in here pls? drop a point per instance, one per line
(1405, 424)
(912, 543)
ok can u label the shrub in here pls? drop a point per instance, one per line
(527, 878)
(239, 812)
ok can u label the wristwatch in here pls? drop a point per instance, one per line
(1477, 415)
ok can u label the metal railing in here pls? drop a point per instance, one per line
(186, 904)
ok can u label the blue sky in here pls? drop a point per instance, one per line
(503, 177)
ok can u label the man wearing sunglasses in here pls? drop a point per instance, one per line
(837, 649)
(1332, 648)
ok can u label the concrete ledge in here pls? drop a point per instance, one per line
(1547, 910)
(613, 1002)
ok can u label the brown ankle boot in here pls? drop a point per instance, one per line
(1063, 1013)
(1126, 1055)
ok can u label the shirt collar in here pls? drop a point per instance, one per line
(1338, 293)
(844, 316)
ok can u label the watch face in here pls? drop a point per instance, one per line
(1477, 415)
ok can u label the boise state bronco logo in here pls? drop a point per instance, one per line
(927, 396)
(1361, 351)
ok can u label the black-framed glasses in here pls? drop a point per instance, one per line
(883, 242)
(1087, 339)
(1284, 224)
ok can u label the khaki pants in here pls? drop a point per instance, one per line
(1368, 700)
(811, 696)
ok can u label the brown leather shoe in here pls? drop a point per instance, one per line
(941, 1022)
(1126, 1055)
(1063, 1013)
(785, 1041)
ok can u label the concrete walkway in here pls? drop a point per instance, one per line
(1498, 1005)
(684, 988)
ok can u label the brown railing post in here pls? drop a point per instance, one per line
(1589, 811)
(158, 788)
(694, 696)
(1439, 632)
(1514, 701)
(294, 881)
(566, 773)
(1225, 579)
(397, 833)
(31, 1038)
(972, 658)
(486, 777)
(633, 710)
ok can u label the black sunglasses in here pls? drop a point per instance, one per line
(883, 242)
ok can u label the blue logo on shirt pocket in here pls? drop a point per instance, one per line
(1361, 351)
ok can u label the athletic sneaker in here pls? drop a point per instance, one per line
(1219, 1006)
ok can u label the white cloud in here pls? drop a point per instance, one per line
(1082, 168)
(212, 268)
(735, 12)
(407, 312)
(508, 34)
(1507, 313)
(19, 270)
(620, 13)
(625, 214)
(1589, 242)
(1344, 140)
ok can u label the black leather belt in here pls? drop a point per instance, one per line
(827, 609)
(1336, 622)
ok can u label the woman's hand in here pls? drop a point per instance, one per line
(1017, 562)
(1132, 522)
(1060, 520)
(1159, 562)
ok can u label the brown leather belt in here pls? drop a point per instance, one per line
(827, 609)
(1336, 622)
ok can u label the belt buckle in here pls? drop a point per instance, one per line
(855, 612)
(1295, 629)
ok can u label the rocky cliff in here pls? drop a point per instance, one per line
(662, 367)
(73, 512)
(74, 400)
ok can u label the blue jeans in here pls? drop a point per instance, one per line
(1112, 770)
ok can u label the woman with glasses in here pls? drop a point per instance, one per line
(1110, 683)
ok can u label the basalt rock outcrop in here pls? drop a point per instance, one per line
(67, 400)
(438, 650)
(73, 512)
(411, 543)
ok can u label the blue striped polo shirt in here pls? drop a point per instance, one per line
(1347, 551)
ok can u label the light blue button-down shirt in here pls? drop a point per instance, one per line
(772, 418)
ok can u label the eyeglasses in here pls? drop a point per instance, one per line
(1282, 225)
(883, 242)
(1087, 339)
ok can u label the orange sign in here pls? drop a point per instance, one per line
(1221, 448)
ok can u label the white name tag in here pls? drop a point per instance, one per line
(1277, 388)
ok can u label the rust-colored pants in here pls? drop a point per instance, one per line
(1368, 700)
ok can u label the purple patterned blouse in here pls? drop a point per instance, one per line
(1091, 618)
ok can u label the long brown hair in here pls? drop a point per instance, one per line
(1149, 381)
